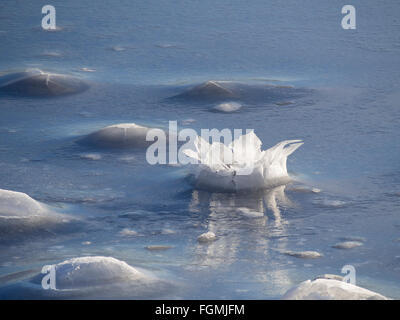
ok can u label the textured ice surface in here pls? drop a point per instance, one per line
(35, 82)
(240, 165)
(330, 289)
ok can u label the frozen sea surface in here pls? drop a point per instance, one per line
(337, 90)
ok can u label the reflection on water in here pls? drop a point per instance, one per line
(241, 221)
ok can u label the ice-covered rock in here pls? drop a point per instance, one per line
(20, 214)
(19, 205)
(35, 82)
(118, 136)
(330, 289)
(94, 277)
(207, 237)
(240, 165)
(91, 156)
(85, 272)
(228, 107)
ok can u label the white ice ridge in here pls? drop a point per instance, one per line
(241, 164)
(330, 289)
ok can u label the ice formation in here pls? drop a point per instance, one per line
(19, 206)
(330, 289)
(240, 165)
(217, 91)
(210, 90)
(207, 237)
(119, 136)
(228, 107)
(35, 82)
(303, 254)
(20, 214)
(86, 272)
(347, 244)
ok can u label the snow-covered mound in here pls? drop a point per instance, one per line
(19, 214)
(102, 277)
(207, 237)
(35, 82)
(95, 271)
(118, 136)
(240, 165)
(330, 289)
(19, 205)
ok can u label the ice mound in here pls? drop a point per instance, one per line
(35, 82)
(228, 107)
(240, 165)
(20, 214)
(19, 205)
(214, 91)
(99, 277)
(207, 237)
(84, 272)
(330, 289)
(210, 90)
(121, 135)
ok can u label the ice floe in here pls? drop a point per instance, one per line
(35, 82)
(330, 289)
(240, 165)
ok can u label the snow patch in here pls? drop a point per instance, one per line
(330, 289)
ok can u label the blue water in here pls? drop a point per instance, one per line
(348, 116)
